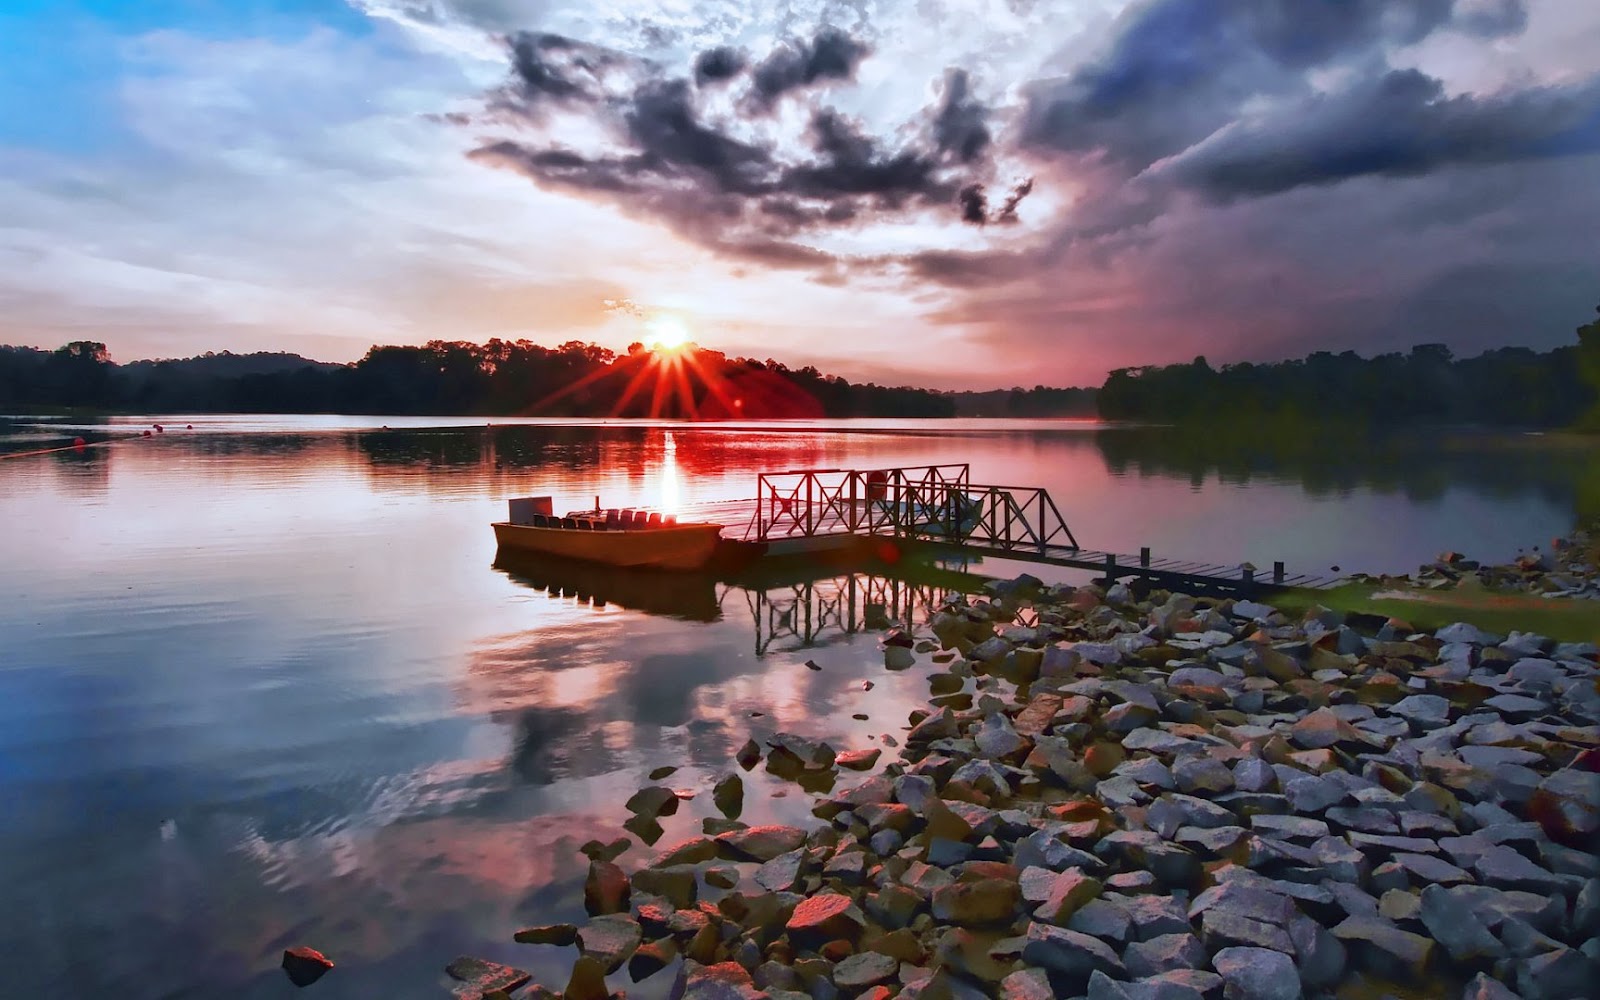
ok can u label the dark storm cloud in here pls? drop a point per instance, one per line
(549, 67)
(717, 65)
(960, 125)
(1178, 70)
(1399, 124)
(794, 65)
(742, 197)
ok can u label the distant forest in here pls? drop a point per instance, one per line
(1509, 387)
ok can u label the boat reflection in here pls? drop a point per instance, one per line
(683, 596)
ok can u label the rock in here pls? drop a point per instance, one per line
(858, 760)
(724, 981)
(1385, 949)
(610, 940)
(1202, 774)
(654, 801)
(760, 843)
(650, 958)
(1070, 891)
(1163, 954)
(1484, 988)
(1322, 729)
(676, 884)
(1252, 774)
(1564, 972)
(1567, 806)
(1426, 711)
(1457, 928)
(1101, 918)
(556, 934)
(1069, 953)
(587, 982)
(305, 966)
(596, 851)
(782, 872)
(825, 917)
(479, 977)
(1026, 984)
(1504, 868)
(749, 754)
(997, 739)
(1221, 928)
(605, 890)
(1256, 974)
(867, 969)
(976, 904)
(728, 796)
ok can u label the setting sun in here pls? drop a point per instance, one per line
(667, 333)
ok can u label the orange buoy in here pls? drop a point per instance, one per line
(189, 427)
(146, 433)
(79, 442)
(159, 428)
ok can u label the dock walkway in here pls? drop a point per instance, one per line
(821, 510)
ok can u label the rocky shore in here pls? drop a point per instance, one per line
(1569, 568)
(1161, 799)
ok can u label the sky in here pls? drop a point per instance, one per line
(951, 193)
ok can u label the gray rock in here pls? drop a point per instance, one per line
(1463, 632)
(1289, 827)
(1152, 916)
(1164, 954)
(1457, 928)
(1312, 794)
(1320, 957)
(1504, 868)
(1425, 870)
(1484, 988)
(1257, 974)
(1204, 774)
(1385, 949)
(1223, 929)
(998, 739)
(1026, 984)
(1068, 952)
(1426, 711)
(863, 970)
(1103, 918)
(1252, 774)
(1564, 973)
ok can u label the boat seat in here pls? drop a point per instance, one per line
(541, 521)
(584, 524)
(613, 519)
(569, 523)
(669, 519)
(641, 518)
(655, 520)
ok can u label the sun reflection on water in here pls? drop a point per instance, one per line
(671, 486)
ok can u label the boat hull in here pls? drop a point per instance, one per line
(677, 546)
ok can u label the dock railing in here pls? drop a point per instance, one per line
(935, 502)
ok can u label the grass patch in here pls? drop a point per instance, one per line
(1563, 620)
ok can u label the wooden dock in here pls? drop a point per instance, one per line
(822, 511)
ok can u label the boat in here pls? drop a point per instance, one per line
(625, 538)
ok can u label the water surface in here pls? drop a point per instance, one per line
(261, 683)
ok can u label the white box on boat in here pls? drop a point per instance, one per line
(524, 508)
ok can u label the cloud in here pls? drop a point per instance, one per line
(718, 65)
(1397, 124)
(751, 196)
(797, 64)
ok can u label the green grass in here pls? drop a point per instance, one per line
(1566, 621)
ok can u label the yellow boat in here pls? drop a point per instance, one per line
(611, 537)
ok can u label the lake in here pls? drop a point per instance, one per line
(261, 683)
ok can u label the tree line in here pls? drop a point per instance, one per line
(499, 378)
(1508, 387)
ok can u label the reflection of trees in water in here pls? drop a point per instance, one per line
(1332, 461)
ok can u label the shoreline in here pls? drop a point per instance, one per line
(1172, 798)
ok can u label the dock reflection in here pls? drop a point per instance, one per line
(790, 607)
